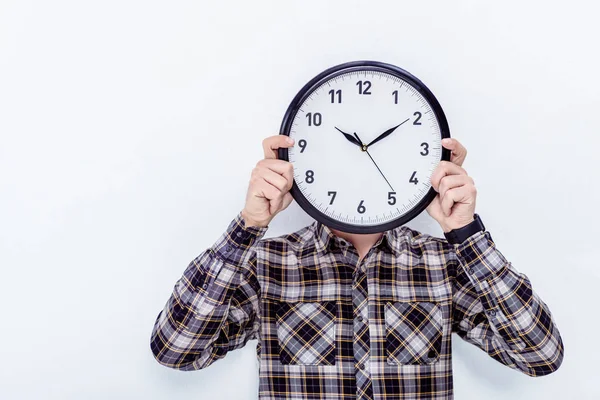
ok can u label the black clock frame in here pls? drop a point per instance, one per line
(307, 91)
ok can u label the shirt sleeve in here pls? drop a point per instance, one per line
(214, 306)
(496, 309)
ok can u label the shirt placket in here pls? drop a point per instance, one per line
(364, 388)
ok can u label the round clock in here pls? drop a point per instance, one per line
(367, 139)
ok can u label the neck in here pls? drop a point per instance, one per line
(362, 243)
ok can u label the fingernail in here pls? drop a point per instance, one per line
(290, 140)
(447, 141)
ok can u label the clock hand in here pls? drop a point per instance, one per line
(364, 148)
(380, 171)
(386, 133)
(349, 137)
(362, 145)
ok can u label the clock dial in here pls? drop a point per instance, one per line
(367, 141)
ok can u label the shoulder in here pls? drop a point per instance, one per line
(293, 242)
(417, 239)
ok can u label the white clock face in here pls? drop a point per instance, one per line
(342, 164)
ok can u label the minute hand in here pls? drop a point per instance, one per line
(386, 133)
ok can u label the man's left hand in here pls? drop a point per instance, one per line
(454, 205)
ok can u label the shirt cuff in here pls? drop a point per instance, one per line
(237, 240)
(479, 256)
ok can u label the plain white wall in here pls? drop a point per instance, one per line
(128, 130)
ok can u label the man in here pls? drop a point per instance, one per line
(347, 316)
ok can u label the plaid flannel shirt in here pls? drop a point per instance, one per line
(332, 327)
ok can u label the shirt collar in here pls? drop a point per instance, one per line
(326, 239)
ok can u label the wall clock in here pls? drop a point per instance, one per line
(367, 139)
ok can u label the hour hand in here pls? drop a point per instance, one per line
(350, 138)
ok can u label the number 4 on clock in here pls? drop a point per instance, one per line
(413, 178)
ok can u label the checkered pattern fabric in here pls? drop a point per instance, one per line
(362, 340)
(306, 333)
(414, 332)
(332, 326)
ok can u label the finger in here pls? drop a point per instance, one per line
(284, 168)
(278, 202)
(451, 181)
(262, 188)
(275, 205)
(458, 151)
(287, 200)
(457, 195)
(273, 178)
(272, 143)
(445, 168)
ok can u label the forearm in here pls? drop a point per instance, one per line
(522, 325)
(189, 332)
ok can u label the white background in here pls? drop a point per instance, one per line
(128, 130)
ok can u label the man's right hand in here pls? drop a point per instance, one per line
(270, 184)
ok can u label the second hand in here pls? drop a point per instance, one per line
(376, 166)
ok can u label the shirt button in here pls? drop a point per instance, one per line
(471, 271)
(361, 366)
(227, 249)
(360, 318)
(205, 286)
(239, 234)
(492, 312)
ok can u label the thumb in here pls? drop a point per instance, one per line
(435, 209)
(287, 200)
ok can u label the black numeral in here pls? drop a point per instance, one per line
(395, 94)
(310, 176)
(361, 208)
(332, 194)
(413, 178)
(425, 148)
(418, 115)
(334, 93)
(391, 198)
(302, 144)
(364, 87)
(314, 119)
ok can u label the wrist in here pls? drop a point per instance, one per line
(462, 224)
(250, 222)
(460, 234)
(233, 245)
